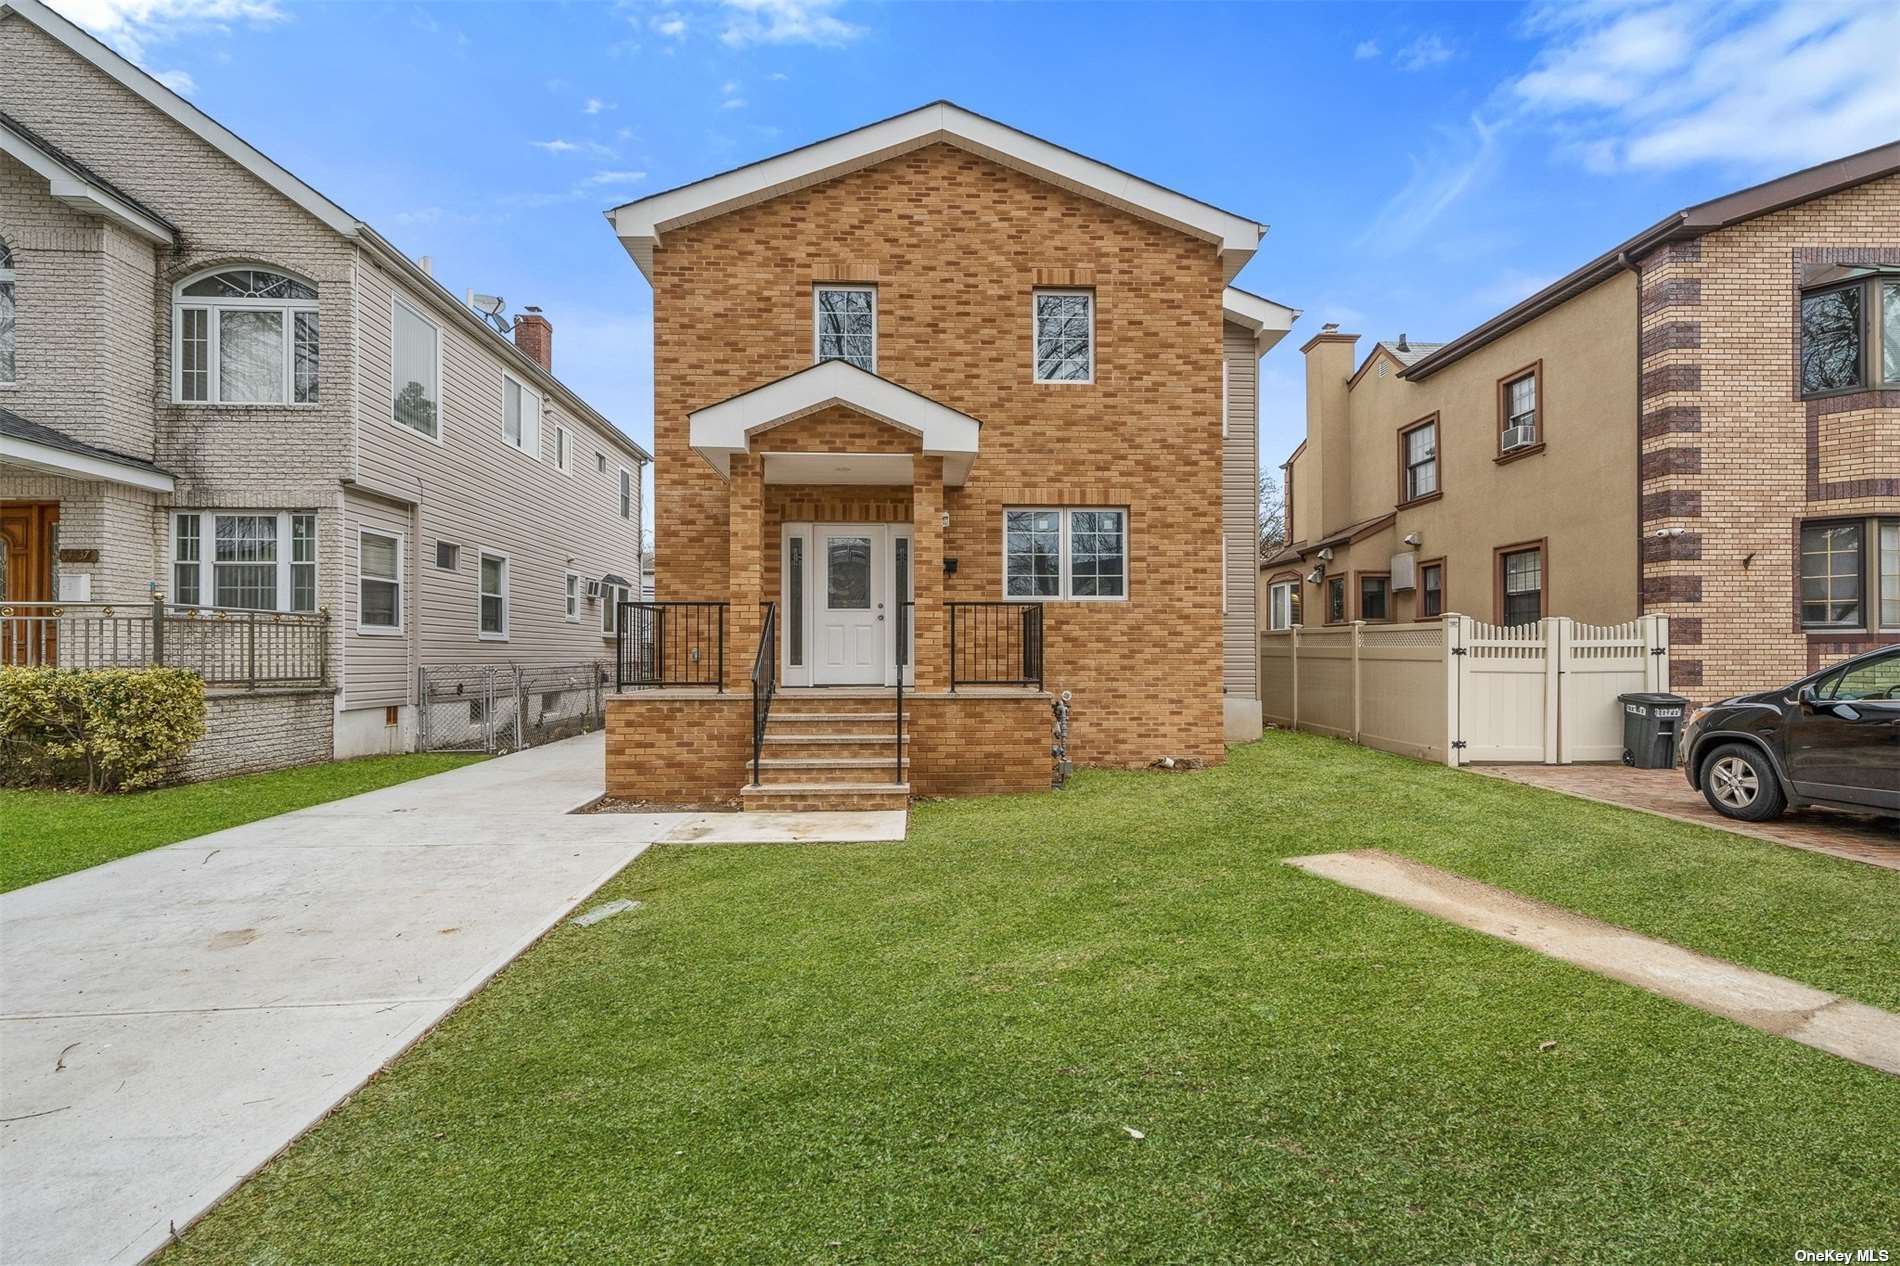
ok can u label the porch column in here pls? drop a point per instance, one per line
(745, 565)
(926, 501)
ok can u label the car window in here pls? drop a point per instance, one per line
(1876, 679)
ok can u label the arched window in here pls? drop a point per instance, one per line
(6, 313)
(245, 336)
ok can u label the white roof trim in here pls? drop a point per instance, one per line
(1268, 320)
(60, 461)
(720, 430)
(185, 113)
(73, 189)
(641, 224)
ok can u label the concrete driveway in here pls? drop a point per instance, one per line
(170, 1021)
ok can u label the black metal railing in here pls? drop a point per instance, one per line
(227, 646)
(902, 656)
(659, 644)
(764, 682)
(995, 644)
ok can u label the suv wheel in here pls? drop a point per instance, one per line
(1739, 782)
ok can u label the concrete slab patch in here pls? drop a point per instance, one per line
(1773, 1004)
(790, 828)
(606, 910)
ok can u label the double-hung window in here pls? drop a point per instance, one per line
(1519, 426)
(1062, 553)
(611, 596)
(1850, 329)
(7, 370)
(520, 416)
(416, 370)
(844, 325)
(1431, 590)
(1064, 335)
(262, 560)
(492, 597)
(1375, 598)
(245, 336)
(1283, 605)
(1418, 461)
(626, 493)
(572, 597)
(563, 450)
(1335, 600)
(1521, 585)
(378, 582)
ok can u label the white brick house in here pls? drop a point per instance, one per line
(218, 386)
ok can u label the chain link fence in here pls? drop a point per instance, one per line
(505, 707)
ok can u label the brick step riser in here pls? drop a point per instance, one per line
(882, 772)
(885, 724)
(829, 802)
(875, 748)
(782, 706)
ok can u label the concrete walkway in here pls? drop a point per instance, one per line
(1774, 1004)
(169, 1021)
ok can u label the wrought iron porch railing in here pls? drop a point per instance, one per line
(764, 682)
(995, 644)
(660, 644)
(230, 647)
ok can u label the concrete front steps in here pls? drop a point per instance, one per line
(828, 751)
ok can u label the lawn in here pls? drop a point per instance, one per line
(940, 1051)
(48, 833)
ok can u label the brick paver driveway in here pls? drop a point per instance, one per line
(1665, 791)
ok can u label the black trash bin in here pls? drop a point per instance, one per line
(1651, 723)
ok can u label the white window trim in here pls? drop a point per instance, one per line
(1278, 587)
(819, 288)
(1035, 361)
(563, 449)
(289, 307)
(1066, 514)
(625, 479)
(507, 582)
(600, 462)
(611, 596)
(571, 596)
(540, 412)
(381, 630)
(441, 413)
(207, 554)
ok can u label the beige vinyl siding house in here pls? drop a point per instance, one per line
(1239, 476)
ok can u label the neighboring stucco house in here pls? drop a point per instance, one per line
(218, 386)
(1703, 422)
(939, 361)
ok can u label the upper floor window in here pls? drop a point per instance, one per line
(1081, 554)
(1519, 426)
(416, 369)
(1065, 335)
(520, 417)
(626, 493)
(844, 324)
(1418, 461)
(6, 313)
(245, 336)
(1850, 333)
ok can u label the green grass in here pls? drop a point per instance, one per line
(49, 833)
(928, 1052)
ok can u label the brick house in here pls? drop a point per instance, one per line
(1703, 422)
(940, 402)
(200, 359)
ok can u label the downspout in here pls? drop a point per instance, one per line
(1636, 384)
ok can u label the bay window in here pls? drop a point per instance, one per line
(262, 560)
(1849, 329)
(245, 336)
(1065, 554)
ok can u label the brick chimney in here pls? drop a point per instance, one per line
(535, 336)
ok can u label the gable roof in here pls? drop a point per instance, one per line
(77, 185)
(1690, 222)
(234, 147)
(1403, 357)
(641, 223)
(1269, 321)
(40, 447)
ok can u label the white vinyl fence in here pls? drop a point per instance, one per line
(1461, 691)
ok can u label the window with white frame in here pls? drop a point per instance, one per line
(378, 582)
(245, 336)
(844, 325)
(492, 598)
(563, 450)
(415, 358)
(572, 597)
(1065, 335)
(600, 462)
(1283, 605)
(264, 560)
(1065, 554)
(611, 596)
(7, 281)
(626, 493)
(520, 416)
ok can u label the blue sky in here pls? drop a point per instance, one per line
(1421, 166)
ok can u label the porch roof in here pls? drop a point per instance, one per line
(720, 430)
(36, 447)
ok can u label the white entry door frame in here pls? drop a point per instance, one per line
(838, 585)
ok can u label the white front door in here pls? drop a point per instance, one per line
(849, 612)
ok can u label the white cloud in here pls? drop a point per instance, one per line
(1365, 51)
(785, 22)
(616, 177)
(1422, 53)
(561, 145)
(1459, 162)
(778, 76)
(1669, 83)
(671, 25)
(594, 105)
(733, 103)
(555, 146)
(132, 25)
(179, 81)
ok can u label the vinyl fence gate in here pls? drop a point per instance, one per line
(1461, 691)
(506, 707)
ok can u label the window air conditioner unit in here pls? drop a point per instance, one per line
(1519, 437)
(593, 591)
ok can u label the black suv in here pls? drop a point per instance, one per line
(1830, 739)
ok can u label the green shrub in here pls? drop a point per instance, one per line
(106, 729)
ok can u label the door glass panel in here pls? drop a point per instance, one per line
(901, 557)
(848, 573)
(795, 603)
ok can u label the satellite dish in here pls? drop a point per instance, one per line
(490, 307)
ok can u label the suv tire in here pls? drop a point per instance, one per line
(1739, 782)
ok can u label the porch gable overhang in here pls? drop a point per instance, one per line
(720, 430)
(30, 446)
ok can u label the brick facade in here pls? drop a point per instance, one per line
(248, 733)
(674, 747)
